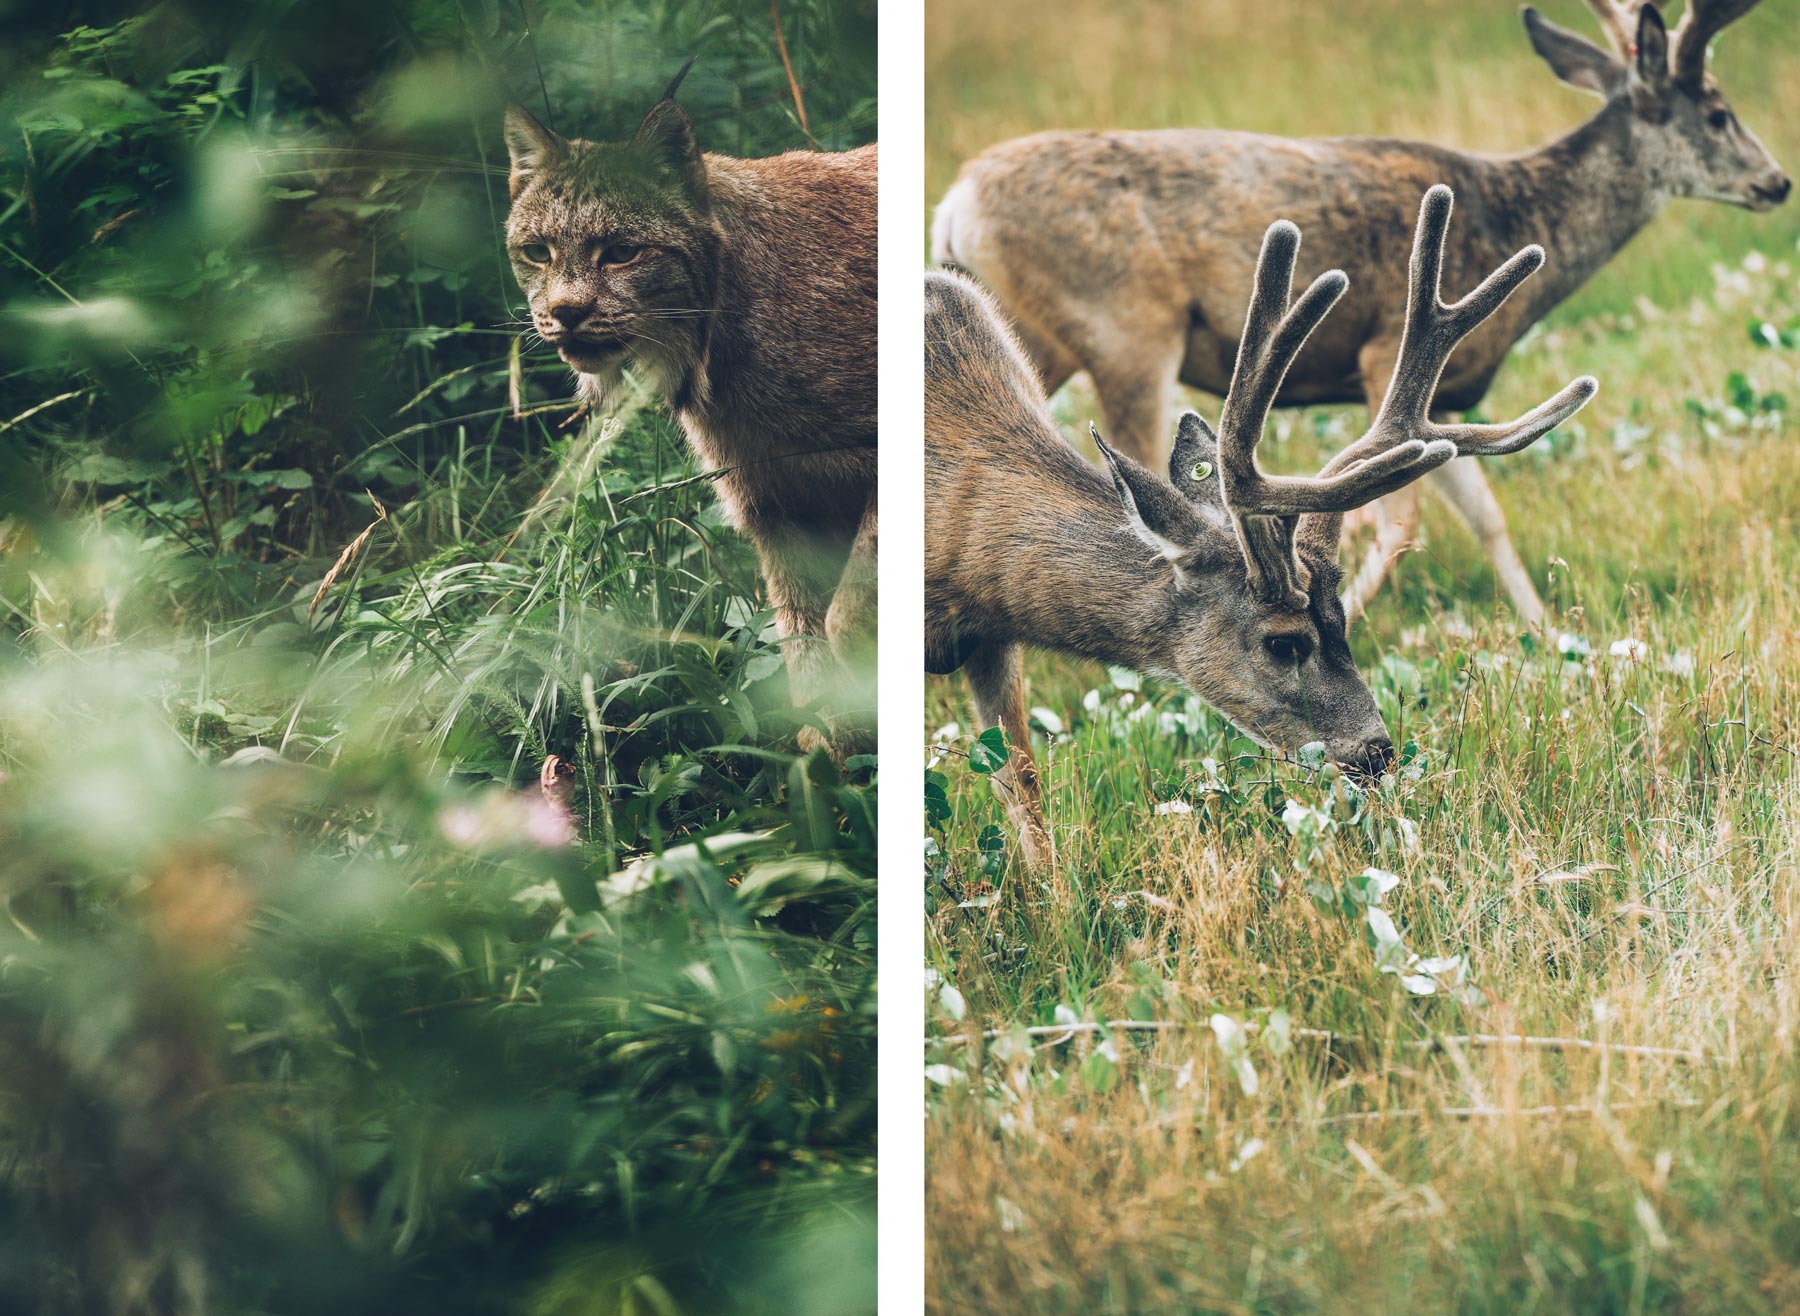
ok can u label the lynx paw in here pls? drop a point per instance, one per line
(846, 741)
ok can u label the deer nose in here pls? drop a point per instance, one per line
(1373, 759)
(1773, 189)
(568, 314)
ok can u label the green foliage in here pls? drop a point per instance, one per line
(413, 900)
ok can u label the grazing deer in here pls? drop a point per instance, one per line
(1126, 253)
(1227, 584)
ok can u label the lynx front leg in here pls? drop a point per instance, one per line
(790, 574)
(997, 679)
(850, 631)
(824, 612)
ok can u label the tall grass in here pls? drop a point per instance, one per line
(1274, 1061)
(413, 900)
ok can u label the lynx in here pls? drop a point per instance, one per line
(745, 290)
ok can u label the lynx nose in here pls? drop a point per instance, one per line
(568, 314)
(1373, 759)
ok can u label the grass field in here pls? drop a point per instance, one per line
(1284, 1082)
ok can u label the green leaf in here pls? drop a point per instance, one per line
(937, 799)
(992, 846)
(989, 753)
(1100, 1071)
(761, 666)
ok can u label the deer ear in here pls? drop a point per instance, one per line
(1650, 71)
(1194, 463)
(1572, 57)
(1156, 513)
(531, 146)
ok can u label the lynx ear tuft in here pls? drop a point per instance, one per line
(676, 81)
(667, 134)
(530, 145)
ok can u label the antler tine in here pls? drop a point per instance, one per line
(1619, 23)
(1273, 335)
(1432, 332)
(1698, 26)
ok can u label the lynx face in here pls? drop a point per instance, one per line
(614, 247)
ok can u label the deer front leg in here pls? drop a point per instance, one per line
(1466, 489)
(996, 675)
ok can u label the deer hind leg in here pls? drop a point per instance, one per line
(1136, 383)
(1466, 489)
(1396, 517)
(1396, 532)
(997, 680)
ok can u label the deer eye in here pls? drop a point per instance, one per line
(534, 253)
(1288, 650)
(1718, 120)
(620, 253)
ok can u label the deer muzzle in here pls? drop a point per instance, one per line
(1369, 759)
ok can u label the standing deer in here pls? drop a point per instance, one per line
(1126, 253)
(1228, 585)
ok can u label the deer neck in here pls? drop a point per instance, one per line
(1096, 589)
(1582, 197)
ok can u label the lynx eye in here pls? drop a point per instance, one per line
(1288, 650)
(620, 253)
(534, 253)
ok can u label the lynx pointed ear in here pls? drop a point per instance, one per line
(668, 135)
(530, 145)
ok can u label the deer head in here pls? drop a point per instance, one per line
(1682, 125)
(1251, 620)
